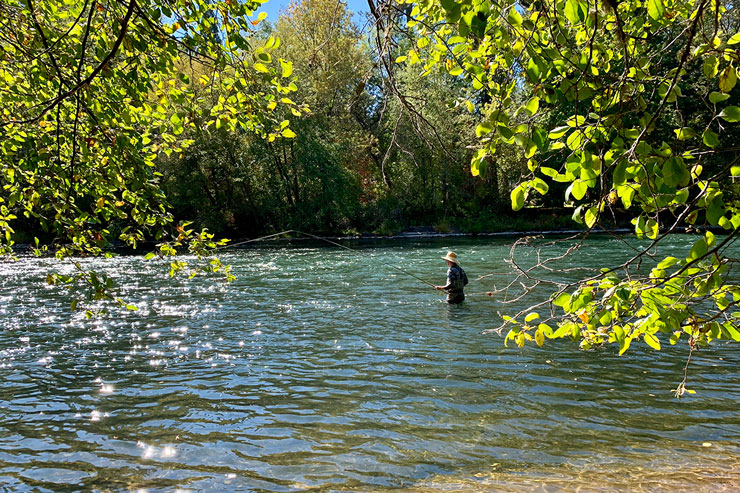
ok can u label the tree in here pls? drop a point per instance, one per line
(93, 94)
(323, 167)
(316, 175)
(606, 80)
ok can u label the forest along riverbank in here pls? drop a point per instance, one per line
(320, 368)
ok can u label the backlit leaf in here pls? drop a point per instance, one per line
(652, 341)
(656, 9)
(731, 114)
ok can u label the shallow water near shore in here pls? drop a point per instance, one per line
(322, 368)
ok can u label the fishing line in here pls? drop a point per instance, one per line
(358, 252)
(362, 253)
(262, 238)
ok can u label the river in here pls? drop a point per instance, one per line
(327, 369)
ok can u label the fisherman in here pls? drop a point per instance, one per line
(456, 280)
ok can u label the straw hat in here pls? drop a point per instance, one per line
(452, 257)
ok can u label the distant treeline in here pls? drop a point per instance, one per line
(379, 151)
(362, 160)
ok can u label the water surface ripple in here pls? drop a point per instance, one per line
(324, 369)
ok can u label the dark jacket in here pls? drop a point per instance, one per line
(456, 281)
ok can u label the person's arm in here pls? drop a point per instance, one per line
(450, 281)
(443, 288)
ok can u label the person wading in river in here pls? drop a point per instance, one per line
(456, 280)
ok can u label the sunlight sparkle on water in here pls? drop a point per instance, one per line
(340, 375)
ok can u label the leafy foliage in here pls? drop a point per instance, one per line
(607, 115)
(94, 93)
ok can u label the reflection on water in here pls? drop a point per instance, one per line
(320, 368)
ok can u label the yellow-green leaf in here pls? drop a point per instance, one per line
(652, 341)
(727, 79)
(656, 9)
(539, 337)
(287, 68)
(517, 198)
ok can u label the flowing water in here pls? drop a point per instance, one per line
(325, 369)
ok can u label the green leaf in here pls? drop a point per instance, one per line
(546, 330)
(710, 139)
(562, 300)
(287, 68)
(533, 70)
(259, 67)
(652, 228)
(699, 249)
(652, 341)
(532, 105)
(717, 97)
(531, 316)
(478, 23)
(483, 129)
(656, 9)
(573, 11)
(731, 331)
(640, 226)
(711, 67)
(675, 337)
(540, 185)
(552, 173)
(734, 39)
(727, 79)
(558, 132)
(668, 262)
(517, 198)
(515, 18)
(625, 345)
(578, 189)
(731, 114)
(510, 336)
(478, 164)
(715, 210)
(618, 333)
(539, 136)
(685, 133)
(539, 337)
(620, 170)
(591, 216)
(675, 172)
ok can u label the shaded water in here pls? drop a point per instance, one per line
(320, 368)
